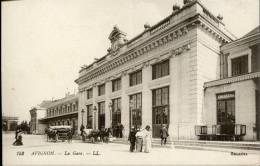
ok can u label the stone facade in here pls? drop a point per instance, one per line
(9, 123)
(37, 126)
(62, 112)
(244, 85)
(189, 39)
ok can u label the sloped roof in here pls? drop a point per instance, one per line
(254, 31)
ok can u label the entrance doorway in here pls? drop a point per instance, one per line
(135, 118)
(101, 115)
(160, 115)
(116, 117)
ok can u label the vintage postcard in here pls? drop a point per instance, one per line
(133, 82)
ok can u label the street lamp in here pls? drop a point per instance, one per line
(82, 113)
(95, 109)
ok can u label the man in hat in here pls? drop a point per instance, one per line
(164, 134)
(132, 139)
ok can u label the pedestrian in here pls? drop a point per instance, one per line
(106, 135)
(132, 139)
(139, 140)
(116, 130)
(18, 140)
(81, 129)
(147, 135)
(16, 133)
(120, 128)
(164, 134)
(102, 134)
(69, 136)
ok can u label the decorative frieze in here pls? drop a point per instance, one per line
(180, 50)
(142, 50)
(213, 33)
(174, 35)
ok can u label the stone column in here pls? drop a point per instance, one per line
(125, 104)
(146, 96)
(174, 92)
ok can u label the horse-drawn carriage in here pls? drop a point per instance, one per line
(55, 133)
(93, 136)
(90, 135)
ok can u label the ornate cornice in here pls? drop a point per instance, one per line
(180, 50)
(167, 35)
(134, 53)
(232, 79)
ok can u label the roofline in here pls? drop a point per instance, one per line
(158, 24)
(227, 45)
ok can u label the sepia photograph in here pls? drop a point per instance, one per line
(130, 82)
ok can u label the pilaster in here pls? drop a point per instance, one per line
(125, 104)
(146, 96)
(108, 102)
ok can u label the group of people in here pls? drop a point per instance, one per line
(103, 135)
(141, 140)
(118, 130)
(18, 138)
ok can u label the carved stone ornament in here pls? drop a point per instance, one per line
(181, 49)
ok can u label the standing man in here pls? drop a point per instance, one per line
(121, 128)
(132, 139)
(69, 136)
(164, 134)
(81, 129)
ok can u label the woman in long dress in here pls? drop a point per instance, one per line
(147, 139)
(139, 140)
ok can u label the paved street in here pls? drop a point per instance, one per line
(39, 152)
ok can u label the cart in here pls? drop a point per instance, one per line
(56, 133)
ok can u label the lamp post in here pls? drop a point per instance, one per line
(95, 110)
(82, 113)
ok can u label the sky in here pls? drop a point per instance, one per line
(45, 42)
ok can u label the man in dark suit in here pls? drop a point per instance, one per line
(132, 138)
(164, 134)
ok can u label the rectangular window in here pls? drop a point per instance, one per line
(160, 69)
(101, 89)
(89, 116)
(101, 115)
(89, 93)
(160, 102)
(116, 84)
(226, 108)
(116, 111)
(101, 107)
(239, 65)
(135, 78)
(136, 110)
